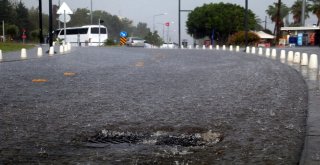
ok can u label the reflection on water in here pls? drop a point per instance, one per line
(310, 75)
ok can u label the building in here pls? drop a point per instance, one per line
(265, 39)
(301, 36)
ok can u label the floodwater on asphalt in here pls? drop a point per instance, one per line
(138, 106)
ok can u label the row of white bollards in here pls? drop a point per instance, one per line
(292, 58)
(231, 48)
(62, 49)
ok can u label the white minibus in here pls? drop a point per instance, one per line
(89, 35)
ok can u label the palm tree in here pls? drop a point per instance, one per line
(272, 12)
(316, 9)
(296, 10)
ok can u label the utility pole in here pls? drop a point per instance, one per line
(50, 24)
(179, 28)
(58, 19)
(278, 22)
(265, 23)
(303, 13)
(246, 24)
(3, 32)
(91, 18)
(40, 23)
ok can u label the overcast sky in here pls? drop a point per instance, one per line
(144, 10)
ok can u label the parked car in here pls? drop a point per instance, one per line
(135, 42)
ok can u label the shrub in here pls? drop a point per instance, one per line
(239, 38)
(109, 42)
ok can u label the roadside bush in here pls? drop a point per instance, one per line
(34, 35)
(109, 42)
(12, 31)
(239, 38)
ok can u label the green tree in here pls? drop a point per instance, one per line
(6, 11)
(12, 31)
(316, 9)
(296, 10)
(22, 19)
(33, 18)
(80, 17)
(273, 10)
(225, 19)
(112, 22)
(141, 30)
(153, 38)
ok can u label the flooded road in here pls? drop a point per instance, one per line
(138, 106)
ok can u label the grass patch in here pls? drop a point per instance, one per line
(10, 47)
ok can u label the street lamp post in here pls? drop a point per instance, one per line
(154, 17)
(246, 24)
(179, 21)
(91, 12)
(162, 29)
(40, 23)
(3, 32)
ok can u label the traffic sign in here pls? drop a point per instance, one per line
(123, 41)
(123, 34)
(64, 9)
(24, 36)
(61, 18)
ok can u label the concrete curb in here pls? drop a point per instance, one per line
(311, 150)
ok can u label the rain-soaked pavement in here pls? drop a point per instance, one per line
(151, 106)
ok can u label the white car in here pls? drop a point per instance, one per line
(135, 42)
(169, 46)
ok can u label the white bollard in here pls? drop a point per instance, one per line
(253, 50)
(61, 49)
(248, 49)
(190, 46)
(268, 52)
(231, 48)
(238, 48)
(313, 63)
(274, 54)
(65, 48)
(69, 46)
(217, 47)
(290, 56)
(223, 47)
(304, 59)
(260, 51)
(283, 55)
(51, 51)
(297, 58)
(210, 47)
(0, 55)
(40, 52)
(23, 53)
(197, 46)
(203, 46)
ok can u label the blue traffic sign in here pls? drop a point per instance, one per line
(123, 34)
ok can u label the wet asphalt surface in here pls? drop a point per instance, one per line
(151, 106)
